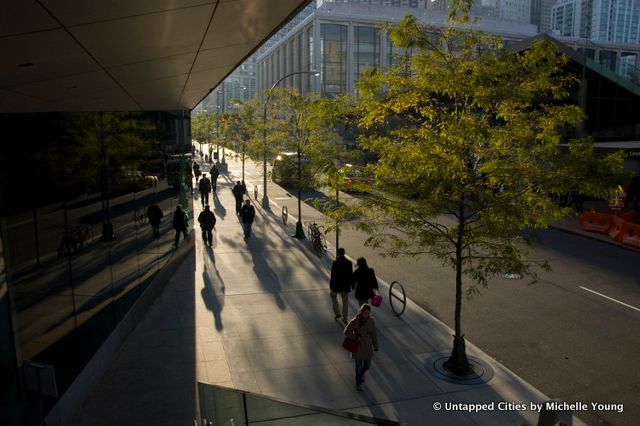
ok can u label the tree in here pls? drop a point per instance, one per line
(305, 126)
(467, 135)
(243, 127)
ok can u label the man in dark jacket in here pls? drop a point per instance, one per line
(207, 221)
(154, 213)
(340, 283)
(238, 193)
(247, 214)
(205, 188)
(180, 224)
(214, 177)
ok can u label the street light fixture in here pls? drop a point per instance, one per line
(265, 198)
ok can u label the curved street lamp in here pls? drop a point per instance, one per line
(265, 198)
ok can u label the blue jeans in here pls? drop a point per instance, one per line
(362, 365)
(246, 227)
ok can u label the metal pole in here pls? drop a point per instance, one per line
(337, 222)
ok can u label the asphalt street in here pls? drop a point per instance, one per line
(573, 334)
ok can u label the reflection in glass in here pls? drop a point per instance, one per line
(74, 189)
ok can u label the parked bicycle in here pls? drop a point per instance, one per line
(139, 216)
(315, 234)
(73, 240)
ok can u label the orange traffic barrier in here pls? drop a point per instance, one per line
(631, 235)
(618, 223)
(596, 222)
(629, 216)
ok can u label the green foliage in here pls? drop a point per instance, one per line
(305, 124)
(468, 137)
(242, 129)
(476, 137)
(111, 142)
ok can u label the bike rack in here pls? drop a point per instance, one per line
(398, 294)
(255, 192)
(285, 214)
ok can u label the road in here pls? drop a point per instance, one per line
(573, 334)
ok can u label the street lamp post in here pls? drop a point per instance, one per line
(265, 197)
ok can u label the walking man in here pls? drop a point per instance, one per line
(214, 177)
(238, 193)
(180, 224)
(207, 221)
(340, 283)
(247, 213)
(205, 188)
(154, 213)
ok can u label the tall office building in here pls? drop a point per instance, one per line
(541, 14)
(341, 39)
(613, 21)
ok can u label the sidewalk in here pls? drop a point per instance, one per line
(256, 315)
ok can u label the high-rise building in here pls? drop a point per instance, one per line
(615, 21)
(541, 14)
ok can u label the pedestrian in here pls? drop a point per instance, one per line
(207, 221)
(364, 281)
(247, 214)
(238, 193)
(180, 224)
(340, 283)
(154, 214)
(205, 188)
(214, 177)
(362, 328)
(196, 171)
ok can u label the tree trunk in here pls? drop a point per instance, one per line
(458, 362)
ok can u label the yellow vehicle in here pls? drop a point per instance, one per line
(285, 170)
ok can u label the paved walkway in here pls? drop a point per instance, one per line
(256, 315)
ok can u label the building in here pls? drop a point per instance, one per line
(93, 95)
(341, 39)
(610, 21)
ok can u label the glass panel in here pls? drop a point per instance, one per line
(223, 406)
(81, 179)
(366, 50)
(333, 53)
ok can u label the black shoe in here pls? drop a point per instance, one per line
(337, 316)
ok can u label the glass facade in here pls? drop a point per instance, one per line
(366, 50)
(333, 56)
(77, 246)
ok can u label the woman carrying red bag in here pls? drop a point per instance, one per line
(362, 328)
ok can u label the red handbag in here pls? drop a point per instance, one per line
(376, 300)
(350, 344)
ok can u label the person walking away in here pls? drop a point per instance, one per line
(362, 328)
(196, 171)
(247, 214)
(154, 214)
(207, 221)
(180, 224)
(340, 283)
(364, 281)
(214, 172)
(238, 193)
(205, 188)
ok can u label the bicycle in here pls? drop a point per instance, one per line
(73, 240)
(139, 217)
(316, 236)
